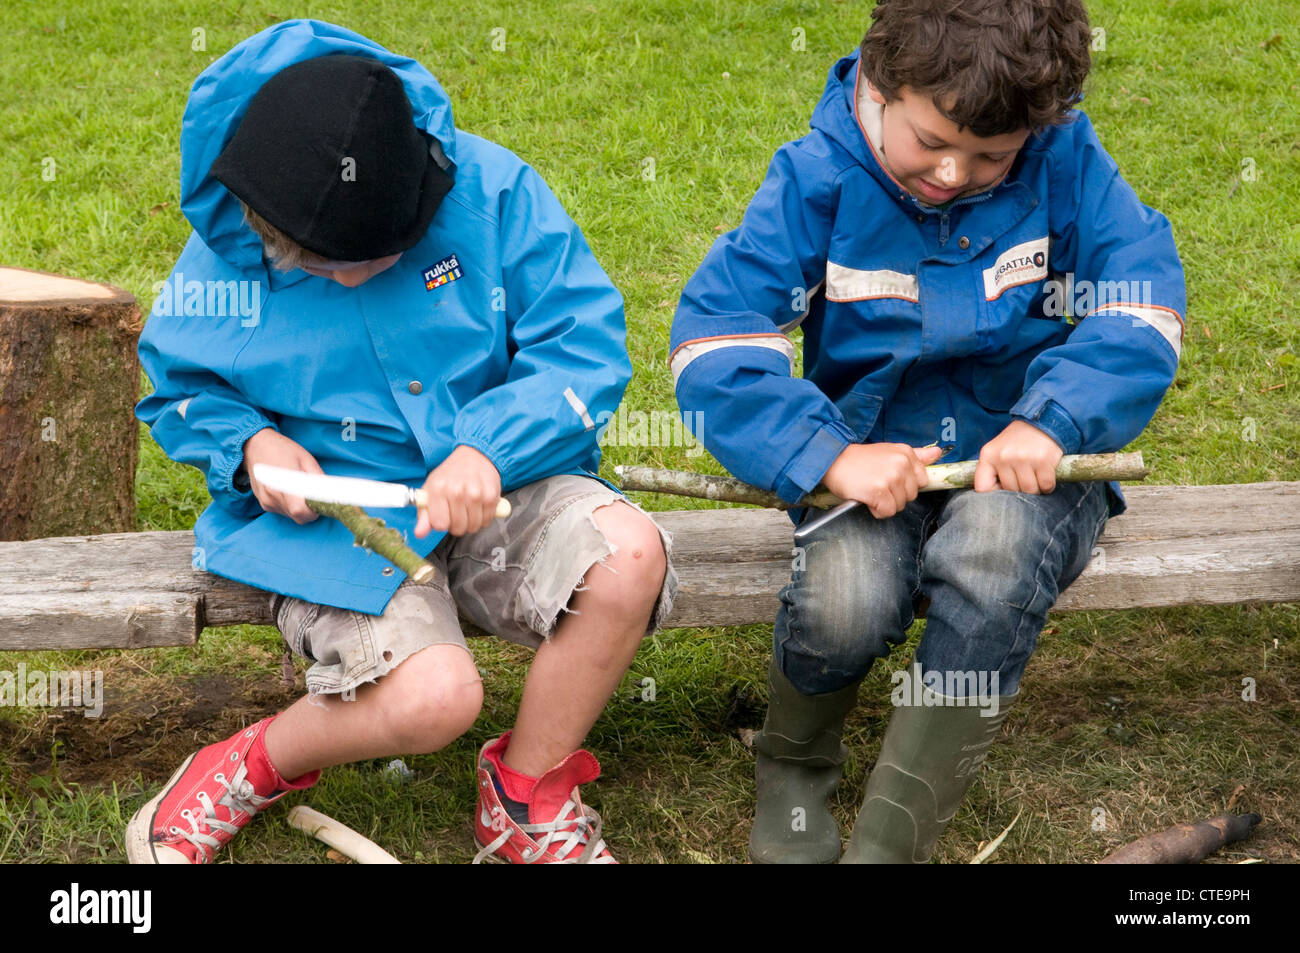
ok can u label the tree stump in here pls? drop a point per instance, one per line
(69, 381)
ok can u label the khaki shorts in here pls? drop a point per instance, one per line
(512, 579)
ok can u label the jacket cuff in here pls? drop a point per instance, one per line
(1049, 417)
(495, 456)
(805, 471)
(225, 480)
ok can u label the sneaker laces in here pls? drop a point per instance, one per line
(239, 796)
(581, 829)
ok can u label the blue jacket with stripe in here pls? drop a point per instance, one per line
(1055, 297)
(498, 331)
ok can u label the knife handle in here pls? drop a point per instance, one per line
(421, 499)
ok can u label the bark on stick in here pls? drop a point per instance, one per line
(1185, 843)
(370, 532)
(1074, 468)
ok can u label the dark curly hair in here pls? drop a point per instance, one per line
(995, 66)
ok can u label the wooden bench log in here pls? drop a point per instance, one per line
(1177, 545)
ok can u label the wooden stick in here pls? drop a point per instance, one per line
(370, 532)
(987, 852)
(1185, 843)
(1074, 468)
(339, 836)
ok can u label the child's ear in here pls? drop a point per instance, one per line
(875, 94)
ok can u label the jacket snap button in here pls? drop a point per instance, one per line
(963, 242)
(415, 387)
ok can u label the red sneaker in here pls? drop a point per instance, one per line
(209, 798)
(569, 831)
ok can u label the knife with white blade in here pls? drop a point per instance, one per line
(350, 490)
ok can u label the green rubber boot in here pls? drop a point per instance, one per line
(799, 762)
(927, 762)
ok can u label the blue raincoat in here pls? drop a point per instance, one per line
(926, 324)
(498, 331)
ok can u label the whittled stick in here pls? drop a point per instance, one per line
(1073, 468)
(338, 835)
(372, 533)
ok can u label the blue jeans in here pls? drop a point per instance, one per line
(991, 564)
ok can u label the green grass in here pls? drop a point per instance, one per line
(1138, 713)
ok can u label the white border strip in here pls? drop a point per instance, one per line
(689, 352)
(1162, 319)
(579, 408)
(851, 284)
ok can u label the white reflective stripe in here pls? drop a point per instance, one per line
(579, 408)
(1162, 319)
(791, 325)
(850, 284)
(183, 406)
(689, 352)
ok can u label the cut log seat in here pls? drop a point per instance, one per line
(1176, 545)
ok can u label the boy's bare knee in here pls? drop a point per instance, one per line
(437, 698)
(638, 563)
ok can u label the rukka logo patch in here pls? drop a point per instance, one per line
(440, 273)
(1020, 265)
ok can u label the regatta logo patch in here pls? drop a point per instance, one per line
(1025, 263)
(440, 273)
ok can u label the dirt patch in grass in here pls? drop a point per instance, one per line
(148, 726)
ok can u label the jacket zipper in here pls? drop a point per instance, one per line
(944, 231)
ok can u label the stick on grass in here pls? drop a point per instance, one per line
(339, 836)
(1185, 843)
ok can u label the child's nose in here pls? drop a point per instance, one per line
(952, 174)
